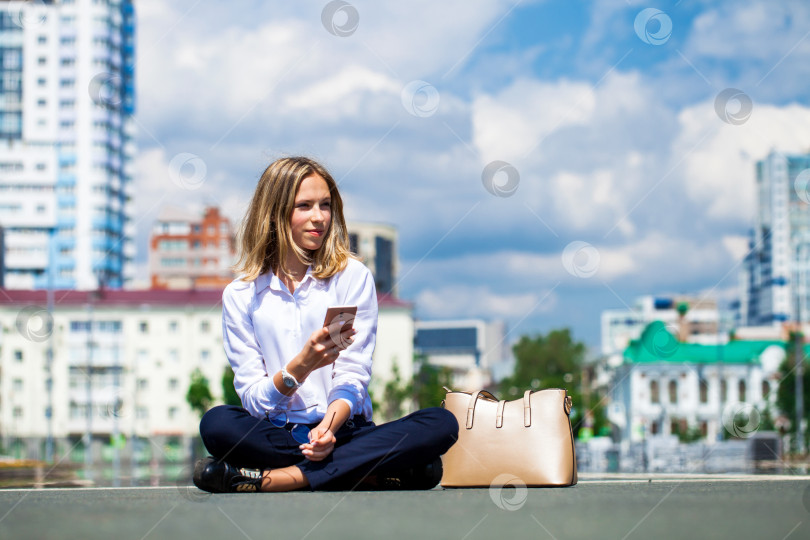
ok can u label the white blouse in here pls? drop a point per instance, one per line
(264, 327)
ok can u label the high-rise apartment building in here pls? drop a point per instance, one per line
(66, 142)
(191, 252)
(775, 279)
(376, 244)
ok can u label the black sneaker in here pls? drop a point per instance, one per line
(218, 477)
(422, 477)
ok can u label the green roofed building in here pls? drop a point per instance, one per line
(665, 386)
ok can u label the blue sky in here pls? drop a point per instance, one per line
(614, 134)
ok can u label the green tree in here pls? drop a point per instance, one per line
(786, 394)
(229, 395)
(554, 360)
(429, 383)
(395, 396)
(199, 394)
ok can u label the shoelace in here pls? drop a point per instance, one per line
(252, 480)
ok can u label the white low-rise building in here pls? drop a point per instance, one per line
(129, 355)
(665, 386)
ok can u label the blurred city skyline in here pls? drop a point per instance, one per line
(626, 170)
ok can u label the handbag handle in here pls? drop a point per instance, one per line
(471, 406)
(527, 408)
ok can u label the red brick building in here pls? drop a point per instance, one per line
(189, 252)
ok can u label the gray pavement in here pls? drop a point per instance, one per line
(601, 506)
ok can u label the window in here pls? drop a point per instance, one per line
(723, 391)
(172, 413)
(143, 384)
(143, 327)
(704, 391)
(18, 412)
(18, 385)
(654, 428)
(42, 40)
(41, 81)
(18, 355)
(741, 391)
(205, 327)
(654, 397)
(172, 327)
(673, 391)
(766, 389)
(142, 413)
(173, 384)
(42, 60)
(174, 356)
(205, 354)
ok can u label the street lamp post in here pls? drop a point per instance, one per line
(49, 350)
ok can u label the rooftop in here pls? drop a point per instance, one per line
(658, 344)
(152, 297)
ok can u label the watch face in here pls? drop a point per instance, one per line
(288, 382)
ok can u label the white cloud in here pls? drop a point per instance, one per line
(736, 245)
(746, 30)
(454, 301)
(719, 158)
(512, 123)
(348, 83)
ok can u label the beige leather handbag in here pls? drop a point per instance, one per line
(529, 439)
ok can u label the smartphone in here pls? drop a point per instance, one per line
(340, 313)
(341, 335)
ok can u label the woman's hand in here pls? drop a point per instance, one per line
(322, 349)
(321, 443)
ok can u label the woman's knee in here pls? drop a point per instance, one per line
(215, 425)
(443, 424)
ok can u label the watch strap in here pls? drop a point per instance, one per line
(287, 377)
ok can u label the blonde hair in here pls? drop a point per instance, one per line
(265, 237)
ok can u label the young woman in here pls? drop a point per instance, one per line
(306, 420)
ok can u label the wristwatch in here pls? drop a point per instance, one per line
(288, 380)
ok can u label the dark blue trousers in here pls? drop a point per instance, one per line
(231, 434)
